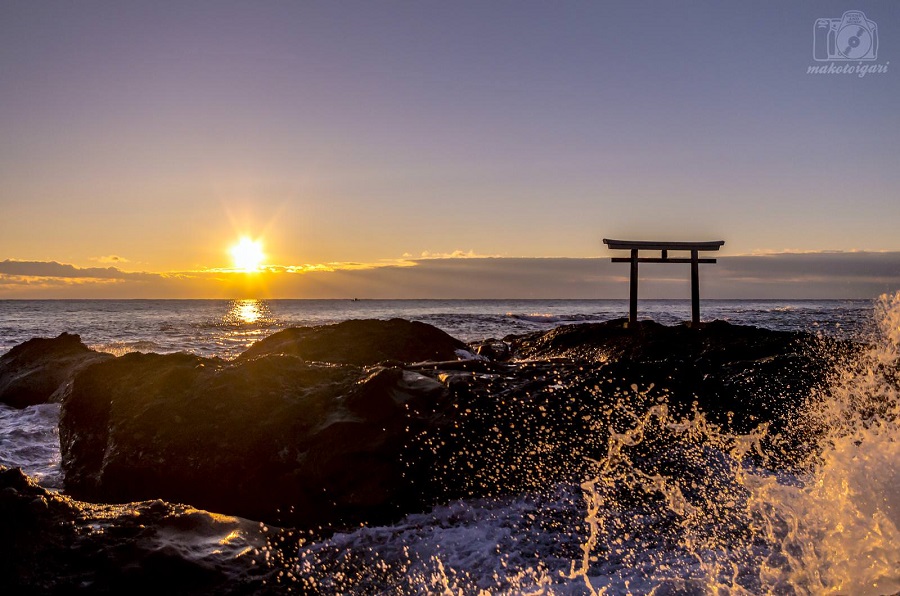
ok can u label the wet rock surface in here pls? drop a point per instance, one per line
(284, 436)
(547, 415)
(314, 436)
(37, 371)
(716, 342)
(738, 375)
(272, 438)
(53, 544)
(361, 342)
(321, 445)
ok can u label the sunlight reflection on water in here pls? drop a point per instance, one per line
(226, 328)
(247, 311)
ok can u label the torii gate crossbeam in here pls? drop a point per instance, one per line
(664, 247)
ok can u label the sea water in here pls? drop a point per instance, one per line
(227, 327)
(827, 524)
(744, 525)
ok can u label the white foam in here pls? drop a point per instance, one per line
(29, 439)
(467, 355)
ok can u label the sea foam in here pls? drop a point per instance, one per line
(827, 526)
(676, 505)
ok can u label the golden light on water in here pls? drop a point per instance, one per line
(245, 322)
(247, 255)
(246, 311)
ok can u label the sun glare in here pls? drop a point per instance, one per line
(247, 311)
(247, 255)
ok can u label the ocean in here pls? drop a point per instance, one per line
(831, 527)
(225, 328)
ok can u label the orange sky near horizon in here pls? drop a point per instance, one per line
(151, 138)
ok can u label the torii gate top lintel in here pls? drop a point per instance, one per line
(664, 247)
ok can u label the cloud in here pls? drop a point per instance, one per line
(796, 251)
(456, 254)
(776, 275)
(316, 267)
(53, 269)
(110, 259)
(799, 267)
(32, 282)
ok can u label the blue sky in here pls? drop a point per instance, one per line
(150, 136)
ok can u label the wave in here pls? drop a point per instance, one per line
(673, 505)
(30, 440)
(676, 505)
(553, 318)
(744, 523)
(119, 348)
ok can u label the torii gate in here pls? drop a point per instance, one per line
(637, 245)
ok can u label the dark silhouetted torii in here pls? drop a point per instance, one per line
(637, 245)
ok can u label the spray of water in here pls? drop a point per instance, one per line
(715, 515)
(676, 505)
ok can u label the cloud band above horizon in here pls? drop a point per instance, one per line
(785, 275)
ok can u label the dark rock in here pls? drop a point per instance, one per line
(531, 423)
(273, 438)
(739, 375)
(361, 342)
(38, 370)
(716, 342)
(492, 349)
(316, 445)
(52, 544)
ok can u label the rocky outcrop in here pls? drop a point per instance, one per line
(361, 342)
(544, 417)
(38, 370)
(491, 349)
(279, 438)
(746, 373)
(272, 438)
(295, 441)
(52, 544)
(648, 341)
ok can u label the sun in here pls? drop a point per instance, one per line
(247, 255)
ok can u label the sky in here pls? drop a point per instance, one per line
(443, 149)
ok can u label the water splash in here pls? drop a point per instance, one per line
(672, 505)
(715, 514)
(29, 439)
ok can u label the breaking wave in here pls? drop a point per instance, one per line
(676, 505)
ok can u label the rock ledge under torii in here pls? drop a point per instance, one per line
(316, 444)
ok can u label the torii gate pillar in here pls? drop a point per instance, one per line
(635, 246)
